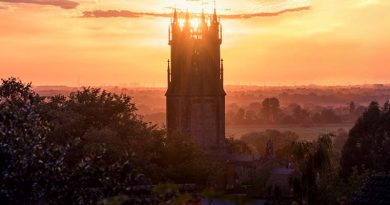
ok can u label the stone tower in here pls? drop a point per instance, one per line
(195, 98)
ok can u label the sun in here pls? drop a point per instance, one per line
(195, 23)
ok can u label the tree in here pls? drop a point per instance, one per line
(329, 116)
(271, 109)
(314, 162)
(250, 117)
(280, 141)
(239, 117)
(326, 115)
(236, 146)
(182, 161)
(23, 136)
(352, 107)
(52, 153)
(301, 115)
(368, 144)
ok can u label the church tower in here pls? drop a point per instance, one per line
(195, 98)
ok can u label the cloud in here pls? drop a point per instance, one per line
(65, 4)
(121, 13)
(3, 7)
(266, 8)
(263, 14)
(132, 14)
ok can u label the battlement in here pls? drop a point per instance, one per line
(195, 28)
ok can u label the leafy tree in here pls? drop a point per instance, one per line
(327, 115)
(236, 146)
(339, 139)
(301, 115)
(368, 145)
(69, 159)
(21, 155)
(280, 141)
(239, 117)
(181, 161)
(352, 107)
(314, 162)
(250, 116)
(331, 189)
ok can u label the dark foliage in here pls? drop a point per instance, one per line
(84, 148)
(237, 146)
(368, 145)
(280, 141)
(313, 162)
(270, 112)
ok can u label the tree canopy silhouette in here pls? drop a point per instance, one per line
(368, 145)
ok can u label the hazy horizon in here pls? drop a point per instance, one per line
(140, 85)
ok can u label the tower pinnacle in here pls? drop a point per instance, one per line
(175, 19)
(203, 18)
(187, 16)
(215, 12)
(187, 19)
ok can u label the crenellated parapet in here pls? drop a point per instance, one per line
(196, 28)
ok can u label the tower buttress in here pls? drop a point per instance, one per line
(169, 73)
(221, 77)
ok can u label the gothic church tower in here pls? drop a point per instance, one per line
(195, 98)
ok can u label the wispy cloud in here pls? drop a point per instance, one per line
(121, 13)
(65, 4)
(133, 14)
(263, 14)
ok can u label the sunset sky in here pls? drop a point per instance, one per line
(272, 42)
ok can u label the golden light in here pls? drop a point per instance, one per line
(195, 23)
(181, 23)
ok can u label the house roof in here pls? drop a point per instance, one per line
(375, 191)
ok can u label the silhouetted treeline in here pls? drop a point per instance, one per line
(269, 111)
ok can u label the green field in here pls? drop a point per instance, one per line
(305, 133)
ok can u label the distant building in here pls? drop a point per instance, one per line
(195, 97)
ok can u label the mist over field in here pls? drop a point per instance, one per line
(150, 103)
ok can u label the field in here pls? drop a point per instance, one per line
(305, 133)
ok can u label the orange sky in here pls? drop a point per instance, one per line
(48, 42)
